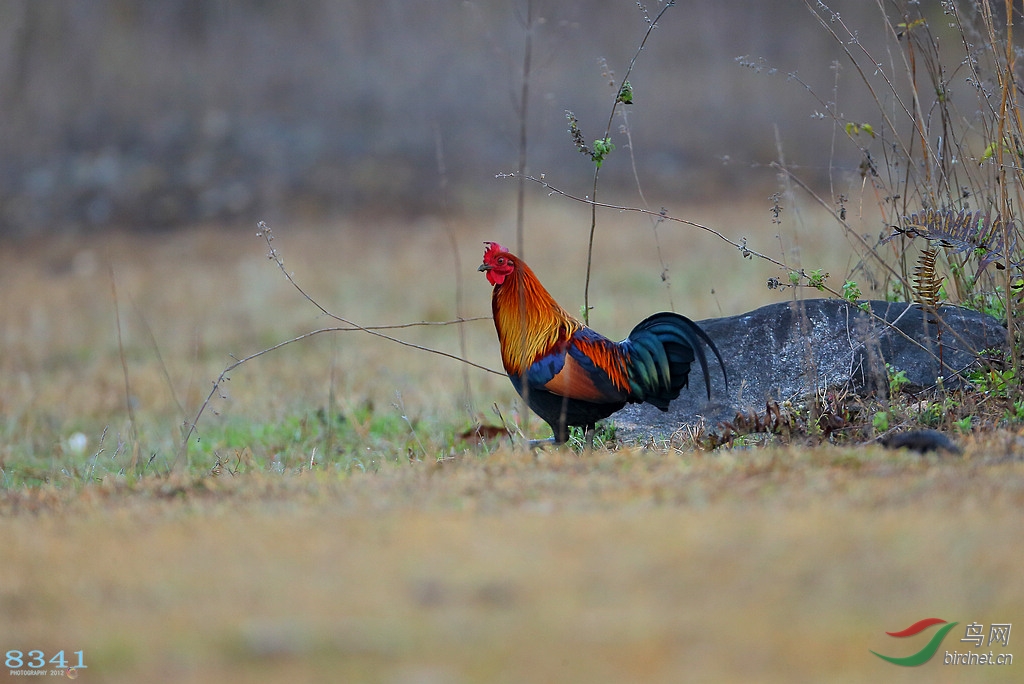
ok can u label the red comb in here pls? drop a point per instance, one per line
(494, 248)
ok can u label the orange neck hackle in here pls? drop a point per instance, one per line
(530, 323)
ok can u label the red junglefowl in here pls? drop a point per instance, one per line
(572, 376)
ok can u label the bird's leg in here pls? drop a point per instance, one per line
(589, 432)
(556, 440)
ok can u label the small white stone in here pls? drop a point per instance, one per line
(77, 443)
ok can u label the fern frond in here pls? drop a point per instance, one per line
(962, 231)
(927, 282)
(958, 231)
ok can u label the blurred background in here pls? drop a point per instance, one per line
(156, 115)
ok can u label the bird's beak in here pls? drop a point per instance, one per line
(485, 267)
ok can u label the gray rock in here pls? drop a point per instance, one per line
(791, 351)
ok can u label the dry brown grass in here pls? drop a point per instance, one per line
(628, 566)
(206, 294)
(490, 565)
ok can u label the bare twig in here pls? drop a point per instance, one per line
(655, 222)
(662, 215)
(267, 235)
(442, 172)
(524, 101)
(651, 25)
(349, 326)
(159, 358)
(129, 403)
(238, 362)
(744, 249)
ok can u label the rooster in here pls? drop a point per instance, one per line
(570, 375)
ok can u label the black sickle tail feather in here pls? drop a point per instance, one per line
(661, 349)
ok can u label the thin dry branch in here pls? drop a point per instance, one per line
(655, 222)
(442, 172)
(651, 25)
(129, 403)
(850, 232)
(349, 326)
(851, 38)
(747, 253)
(660, 215)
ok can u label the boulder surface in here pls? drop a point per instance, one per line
(792, 350)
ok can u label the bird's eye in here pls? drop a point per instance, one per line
(501, 261)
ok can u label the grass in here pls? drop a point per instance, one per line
(329, 522)
(769, 565)
(189, 303)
